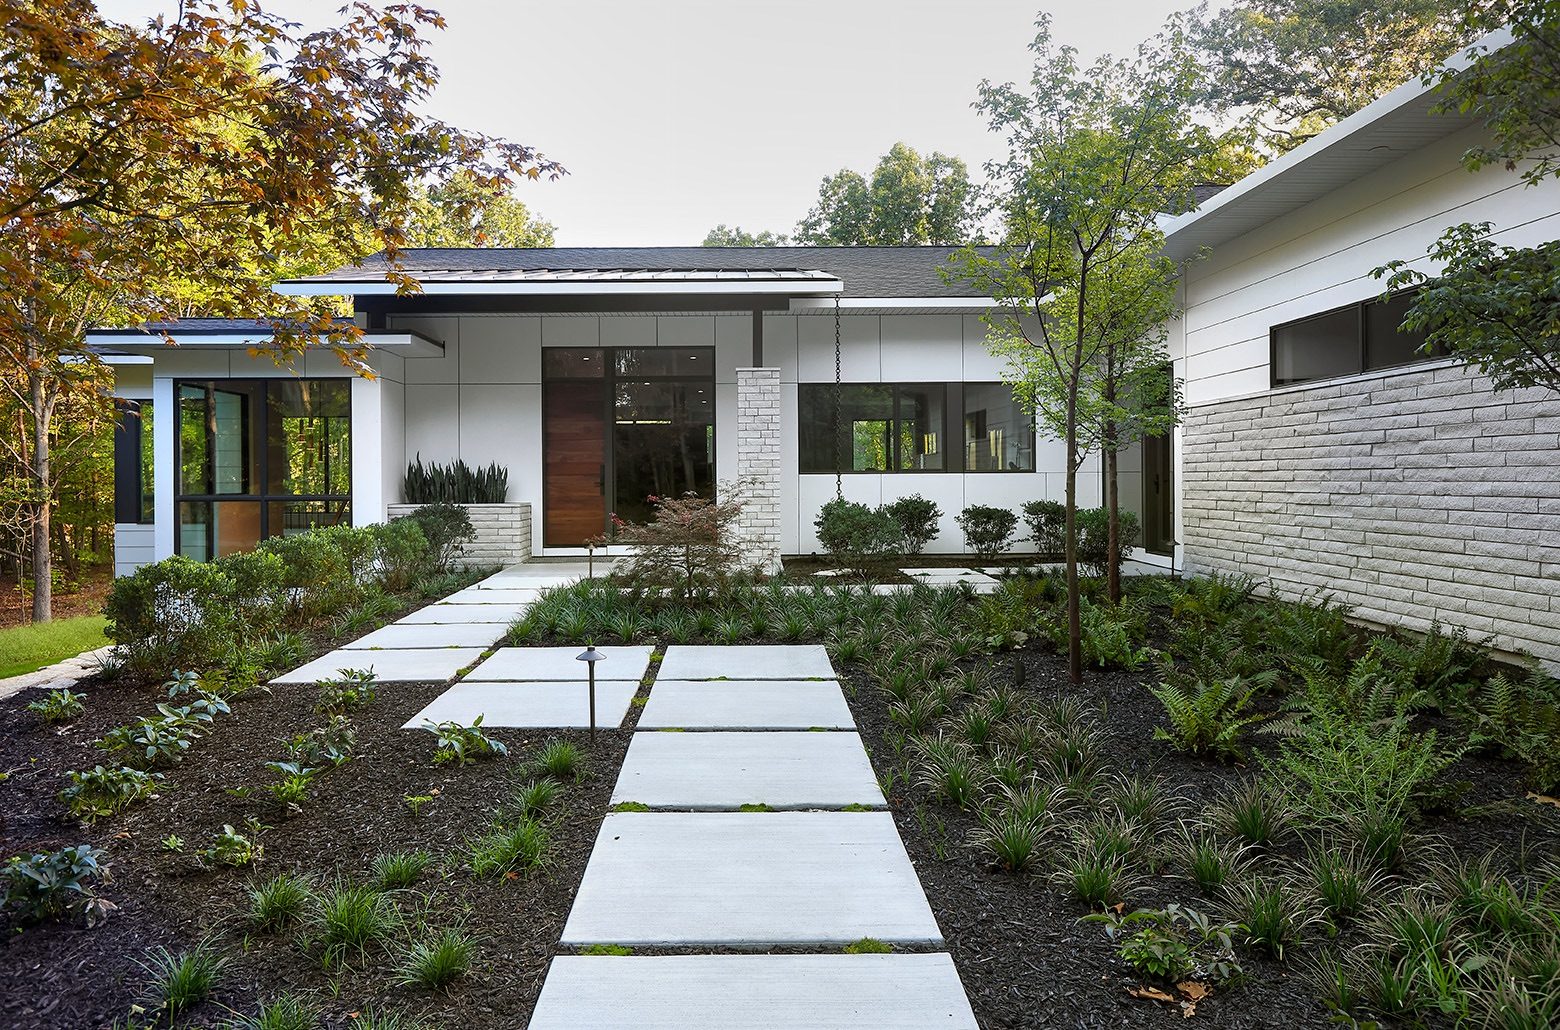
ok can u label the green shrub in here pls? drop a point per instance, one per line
(1094, 539)
(400, 553)
(987, 529)
(49, 884)
(99, 792)
(454, 483)
(259, 595)
(317, 571)
(231, 848)
(917, 519)
(857, 537)
(171, 614)
(447, 529)
(1047, 522)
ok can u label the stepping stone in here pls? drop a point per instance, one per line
(746, 705)
(529, 705)
(753, 992)
(715, 771)
(949, 577)
(428, 634)
(746, 662)
(509, 664)
(454, 614)
(420, 665)
(496, 595)
(749, 879)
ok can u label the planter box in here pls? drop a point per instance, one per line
(503, 532)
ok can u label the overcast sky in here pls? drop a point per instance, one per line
(675, 115)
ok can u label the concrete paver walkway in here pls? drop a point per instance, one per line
(781, 770)
(753, 992)
(695, 878)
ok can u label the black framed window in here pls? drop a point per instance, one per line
(907, 427)
(258, 458)
(135, 492)
(1345, 341)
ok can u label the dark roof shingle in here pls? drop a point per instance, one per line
(866, 271)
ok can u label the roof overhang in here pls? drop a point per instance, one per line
(126, 343)
(578, 283)
(894, 305)
(1380, 133)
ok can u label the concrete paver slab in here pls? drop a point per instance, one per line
(753, 992)
(428, 634)
(746, 662)
(421, 665)
(724, 771)
(746, 705)
(560, 663)
(494, 595)
(531, 705)
(769, 878)
(451, 614)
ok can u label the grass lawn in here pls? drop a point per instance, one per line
(29, 648)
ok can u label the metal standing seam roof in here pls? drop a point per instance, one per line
(912, 272)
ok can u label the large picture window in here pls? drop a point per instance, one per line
(1358, 338)
(908, 427)
(258, 458)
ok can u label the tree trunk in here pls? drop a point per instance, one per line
(1074, 607)
(1113, 517)
(42, 559)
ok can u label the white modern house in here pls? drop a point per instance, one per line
(1320, 452)
(597, 377)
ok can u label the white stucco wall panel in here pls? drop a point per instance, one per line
(860, 349)
(921, 348)
(500, 349)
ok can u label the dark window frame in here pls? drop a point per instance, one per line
(953, 417)
(1362, 342)
(261, 472)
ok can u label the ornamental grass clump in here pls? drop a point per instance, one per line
(437, 961)
(279, 902)
(351, 919)
(517, 848)
(181, 979)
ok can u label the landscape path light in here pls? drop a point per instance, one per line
(590, 656)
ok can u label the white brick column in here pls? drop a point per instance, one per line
(758, 466)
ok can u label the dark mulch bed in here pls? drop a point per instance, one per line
(1024, 957)
(62, 975)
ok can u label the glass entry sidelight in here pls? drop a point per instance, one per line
(620, 426)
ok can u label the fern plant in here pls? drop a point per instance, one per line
(1206, 716)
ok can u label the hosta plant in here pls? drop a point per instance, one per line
(460, 744)
(53, 883)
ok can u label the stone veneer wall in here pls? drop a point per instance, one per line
(503, 532)
(758, 466)
(1415, 497)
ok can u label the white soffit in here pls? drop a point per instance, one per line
(1386, 130)
(892, 305)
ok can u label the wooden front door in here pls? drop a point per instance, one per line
(574, 453)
